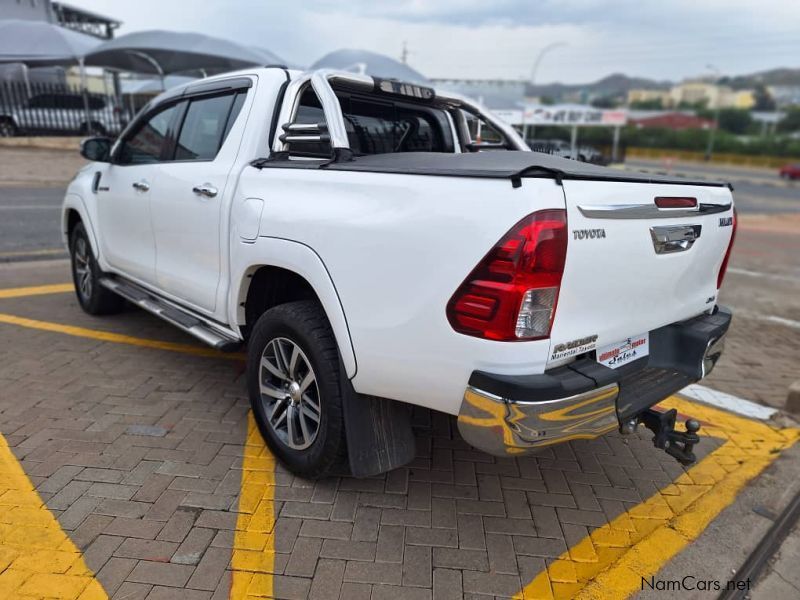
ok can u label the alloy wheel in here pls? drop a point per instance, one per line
(83, 269)
(289, 393)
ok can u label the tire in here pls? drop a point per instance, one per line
(308, 449)
(7, 128)
(93, 297)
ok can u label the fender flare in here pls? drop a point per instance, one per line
(75, 202)
(301, 259)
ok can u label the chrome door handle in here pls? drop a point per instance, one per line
(142, 186)
(207, 190)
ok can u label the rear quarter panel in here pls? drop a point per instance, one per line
(397, 247)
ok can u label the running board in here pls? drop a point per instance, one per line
(172, 314)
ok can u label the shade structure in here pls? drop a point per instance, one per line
(162, 52)
(370, 63)
(37, 43)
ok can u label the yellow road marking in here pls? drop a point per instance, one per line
(253, 554)
(37, 559)
(612, 560)
(39, 290)
(107, 336)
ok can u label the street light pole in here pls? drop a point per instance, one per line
(534, 69)
(713, 132)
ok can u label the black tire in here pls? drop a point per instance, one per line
(93, 297)
(302, 324)
(7, 128)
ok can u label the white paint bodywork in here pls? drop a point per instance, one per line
(384, 253)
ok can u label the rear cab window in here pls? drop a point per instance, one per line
(377, 125)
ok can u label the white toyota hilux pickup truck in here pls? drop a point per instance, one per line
(379, 244)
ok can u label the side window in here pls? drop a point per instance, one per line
(482, 135)
(207, 123)
(145, 144)
(376, 127)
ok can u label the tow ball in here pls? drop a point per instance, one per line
(678, 444)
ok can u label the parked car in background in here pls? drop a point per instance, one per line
(56, 113)
(374, 254)
(554, 147)
(564, 149)
(791, 171)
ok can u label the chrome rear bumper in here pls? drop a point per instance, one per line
(513, 414)
(505, 427)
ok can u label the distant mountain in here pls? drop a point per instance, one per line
(614, 85)
(771, 77)
(617, 85)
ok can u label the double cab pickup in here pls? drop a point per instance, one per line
(378, 244)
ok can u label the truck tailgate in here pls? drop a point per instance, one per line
(631, 266)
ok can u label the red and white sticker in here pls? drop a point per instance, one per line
(621, 353)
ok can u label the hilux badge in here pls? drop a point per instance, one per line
(725, 221)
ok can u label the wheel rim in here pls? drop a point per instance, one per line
(83, 271)
(289, 393)
(5, 130)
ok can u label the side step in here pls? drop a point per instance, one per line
(171, 313)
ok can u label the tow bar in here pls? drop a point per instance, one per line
(678, 444)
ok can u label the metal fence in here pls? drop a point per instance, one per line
(57, 109)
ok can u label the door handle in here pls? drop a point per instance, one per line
(142, 185)
(207, 190)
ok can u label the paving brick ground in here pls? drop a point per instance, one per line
(139, 454)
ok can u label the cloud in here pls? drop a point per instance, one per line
(500, 39)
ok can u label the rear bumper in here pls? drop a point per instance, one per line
(512, 414)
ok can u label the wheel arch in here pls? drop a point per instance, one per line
(292, 272)
(73, 212)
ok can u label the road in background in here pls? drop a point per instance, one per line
(30, 223)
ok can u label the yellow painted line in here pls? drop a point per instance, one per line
(253, 554)
(37, 558)
(612, 560)
(107, 336)
(39, 290)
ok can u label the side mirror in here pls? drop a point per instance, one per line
(96, 149)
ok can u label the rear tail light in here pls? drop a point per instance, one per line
(512, 293)
(724, 266)
(675, 202)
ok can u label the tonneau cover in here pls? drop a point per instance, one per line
(493, 164)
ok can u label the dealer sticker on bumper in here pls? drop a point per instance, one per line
(621, 353)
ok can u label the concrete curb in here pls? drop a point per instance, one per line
(45, 143)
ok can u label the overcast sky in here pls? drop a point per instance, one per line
(669, 39)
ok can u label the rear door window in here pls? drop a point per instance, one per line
(205, 126)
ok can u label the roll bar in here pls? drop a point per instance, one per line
(322, 82)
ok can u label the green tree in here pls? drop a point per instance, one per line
(735, 120)
(763, 98)
(652, 104)
(605, 102)
(791, 122)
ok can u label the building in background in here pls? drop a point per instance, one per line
(676, 121)
(785, 95)
(696, 94)
(643, 96)
(69, 17)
